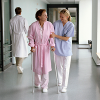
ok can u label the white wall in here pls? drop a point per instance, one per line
(85, 21)
(29, 8)
(96, 30)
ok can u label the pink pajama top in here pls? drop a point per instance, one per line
(40, 39)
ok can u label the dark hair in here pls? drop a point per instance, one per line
(39, 13)
(18, 10)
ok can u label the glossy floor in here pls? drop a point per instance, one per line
(84, 80)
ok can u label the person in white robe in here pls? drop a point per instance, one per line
(18, 30)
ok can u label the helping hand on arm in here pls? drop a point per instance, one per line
(53, 35)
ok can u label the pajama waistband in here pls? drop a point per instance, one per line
(40, 53)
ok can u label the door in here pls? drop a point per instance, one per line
(73, 13)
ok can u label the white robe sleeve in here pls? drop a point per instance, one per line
(26, 27)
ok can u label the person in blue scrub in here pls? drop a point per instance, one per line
(64, 31)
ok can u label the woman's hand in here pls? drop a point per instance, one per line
(32, 49)
(52, 48)
(53, 35)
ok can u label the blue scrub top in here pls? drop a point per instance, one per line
(63, 48)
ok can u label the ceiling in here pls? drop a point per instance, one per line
(72, 10)
(60, 1)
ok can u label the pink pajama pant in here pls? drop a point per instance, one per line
(42, 80)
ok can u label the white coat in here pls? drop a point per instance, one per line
(18, 29)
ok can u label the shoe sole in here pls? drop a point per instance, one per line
(44, 91)
(63, 92)
(37, 86)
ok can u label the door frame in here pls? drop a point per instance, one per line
(2, 64)
(66, 6)
(1, 18)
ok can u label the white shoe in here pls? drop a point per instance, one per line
(37, 86)
(64, 90)
(45, 90)
(20, 70)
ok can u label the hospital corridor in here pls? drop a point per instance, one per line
(64, 33)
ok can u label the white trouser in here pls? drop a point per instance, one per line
(42, 80)
(63, 67)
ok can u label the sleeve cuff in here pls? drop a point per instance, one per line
(31, 45)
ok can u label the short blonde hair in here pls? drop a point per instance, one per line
(66, 13)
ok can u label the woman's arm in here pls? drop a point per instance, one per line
(53, 35)
(52, 43)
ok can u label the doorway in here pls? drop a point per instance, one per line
(53, 11)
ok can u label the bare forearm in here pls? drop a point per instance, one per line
(62, 38)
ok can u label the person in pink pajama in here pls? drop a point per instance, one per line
(39, 39)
